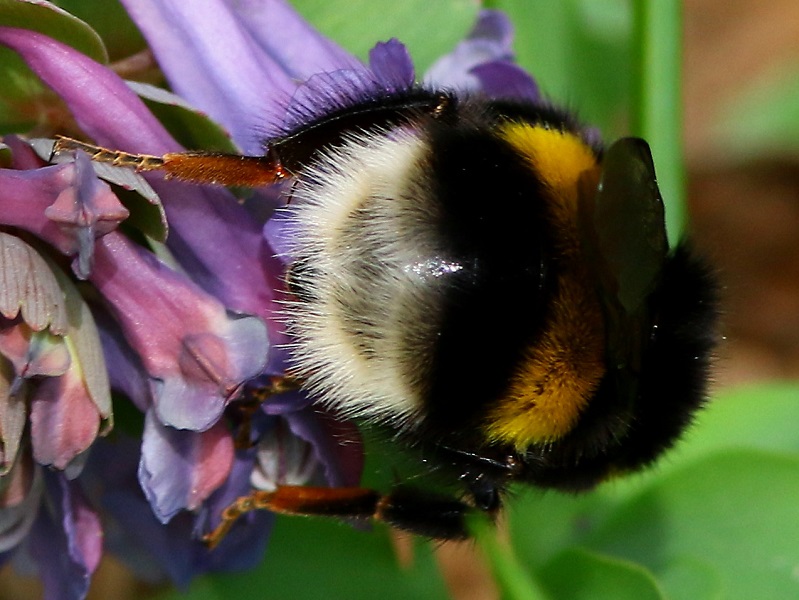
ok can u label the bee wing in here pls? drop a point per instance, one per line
(623, 231)
(626, 223)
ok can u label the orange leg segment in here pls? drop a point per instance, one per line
(198, 167)
(300, 500)
(416, 511)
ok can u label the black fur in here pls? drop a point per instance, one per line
(299, 148)
(610, 438)
(613, 438)
(494, 225)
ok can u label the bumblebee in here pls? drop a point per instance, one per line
(485, 283)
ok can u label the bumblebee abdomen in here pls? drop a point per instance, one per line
(560, 371)
(372, 304)
(497, 221)
(442, 260)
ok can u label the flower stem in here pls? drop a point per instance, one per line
(657, 99)
(514, 581)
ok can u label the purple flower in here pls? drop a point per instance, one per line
(178, 328)
(64, 205)
(484, 62)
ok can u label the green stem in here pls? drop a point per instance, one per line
(515, 582)
(657, 99)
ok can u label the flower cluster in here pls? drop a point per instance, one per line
(99, 307)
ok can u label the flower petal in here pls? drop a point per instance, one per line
(292, 42)
(212, 61)
(97, 97)
(283, 458)
(155, 551)
(243, 546)
(143, 543)
(489, 40)
(77, 377)
(17, 520)
(196, 354)
(87, 210)
(66, 540)
(64, 419)
(237, 61)
(121, 176)
(207, 372)
(33, 353)
(65, 205)
(278, 231)
(287, 402)
(13, 416)
(504, 79)
(16, 484)
(483, 62)
(86, 352)
(27, 286)
(125, 370)
(337, 444)
(238, 267)
(23, 156)
(81, 525)
(392, 65)
(180, 469)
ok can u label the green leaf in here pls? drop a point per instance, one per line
(21, 87)
(734, 511)
(146, 218)
(689, 578)
(428, 29)
(188, 125)
(317, 558)
(515, 583)
(128, 419)
(743, 452)
(760, 416)
(577, 573)
(112, 23)
(579, 52)
(53, 22)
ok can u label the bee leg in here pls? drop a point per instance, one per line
(425, 513)
(249, 402)
(197, 167)
(408, 509)
(298, 500)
